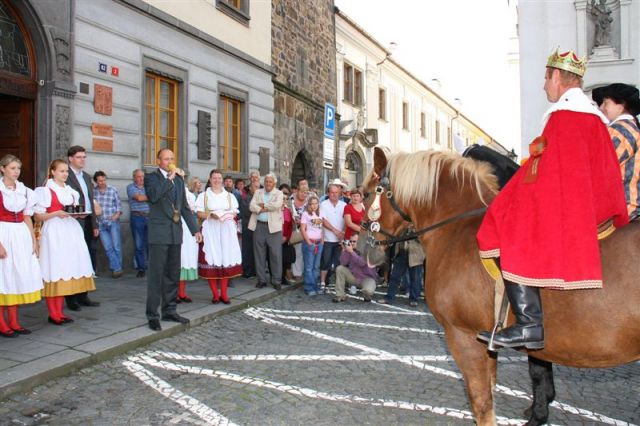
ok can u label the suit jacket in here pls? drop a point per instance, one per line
(274, 207)
(161, 228)
(72, 181)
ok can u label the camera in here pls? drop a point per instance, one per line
(346, 243)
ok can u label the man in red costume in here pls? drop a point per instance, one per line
(543, 226)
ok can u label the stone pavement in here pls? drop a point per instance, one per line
(296, 360)
(116, 326)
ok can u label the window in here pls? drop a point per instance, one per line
(161, 109)
(348, 83)
(352, 85)
(437, 132)
(236, 9)
(405, 115)
(230, 144)
(382, 104)
(449, 138)
(423, 125)
(357, 90)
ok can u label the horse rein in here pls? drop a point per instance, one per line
(375, 212)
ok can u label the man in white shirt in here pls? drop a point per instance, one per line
(332, 213)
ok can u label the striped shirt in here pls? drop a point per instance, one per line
(109, 201)
(134, 205)
(626, 139)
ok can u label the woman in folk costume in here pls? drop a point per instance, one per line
(543, 225)
(189, 249)
(20, 279)
(220, 258)
(64, 257)
(620, 103)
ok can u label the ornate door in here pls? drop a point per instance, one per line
(16, 135)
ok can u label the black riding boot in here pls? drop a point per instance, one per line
(528, 330)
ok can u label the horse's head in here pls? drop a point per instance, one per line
(384, 218)
(420, 190)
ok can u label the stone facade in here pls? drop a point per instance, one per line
(304, 63)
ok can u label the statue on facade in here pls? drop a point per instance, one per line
(602, 16)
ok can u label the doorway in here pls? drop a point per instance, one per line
(16, 134)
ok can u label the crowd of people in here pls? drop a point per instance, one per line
(183, 232)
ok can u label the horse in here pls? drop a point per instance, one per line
(439, 197)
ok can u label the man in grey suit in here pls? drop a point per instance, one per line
(168, 203)
(81, 181)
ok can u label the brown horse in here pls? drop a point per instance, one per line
(583, 328)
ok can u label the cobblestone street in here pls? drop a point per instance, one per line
(299, 360)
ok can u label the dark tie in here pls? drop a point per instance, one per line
(174, 192)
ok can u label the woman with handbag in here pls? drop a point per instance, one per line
(288, 250)
(220, 257)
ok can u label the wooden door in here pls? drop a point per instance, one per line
(16, 134)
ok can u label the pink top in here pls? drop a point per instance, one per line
(314, 225)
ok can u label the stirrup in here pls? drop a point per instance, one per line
(490, 345)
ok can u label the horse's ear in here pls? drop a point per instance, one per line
(379, 161)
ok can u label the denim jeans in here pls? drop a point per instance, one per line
(311, 266)
(400, 266)
(139, 234)
(330, 258)
(110, 237)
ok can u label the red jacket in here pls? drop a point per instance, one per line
(544, 229)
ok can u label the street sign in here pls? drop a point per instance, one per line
(328, 149)
(329, 121)
(327, 164)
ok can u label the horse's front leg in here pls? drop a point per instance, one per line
(479, 372)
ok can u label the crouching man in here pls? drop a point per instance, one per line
(353, 270)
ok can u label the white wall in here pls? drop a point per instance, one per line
(254, 39)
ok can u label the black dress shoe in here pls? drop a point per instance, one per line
(176, 318)
(154, 325)
(277, 286)
(88, 302)
(261, 285)
(226, 301)
(74, 307)
(140, 274)
(22, 331)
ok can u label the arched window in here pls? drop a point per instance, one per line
(14, 55)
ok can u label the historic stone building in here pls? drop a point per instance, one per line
(304, 62)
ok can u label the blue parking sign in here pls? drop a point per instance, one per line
(329, 121)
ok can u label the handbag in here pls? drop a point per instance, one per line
(296, 236)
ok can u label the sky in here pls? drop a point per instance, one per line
(462, 43)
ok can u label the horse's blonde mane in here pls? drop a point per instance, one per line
(415, 177)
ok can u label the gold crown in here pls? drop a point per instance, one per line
(568, 61)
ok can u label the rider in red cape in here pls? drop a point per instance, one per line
(543, 226)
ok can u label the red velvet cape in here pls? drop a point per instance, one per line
(545, 232)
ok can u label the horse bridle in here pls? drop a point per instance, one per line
(372, 226)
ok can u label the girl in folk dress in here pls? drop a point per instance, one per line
(189, 249)
(220, 258)
(20, 279)
(64, 257)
